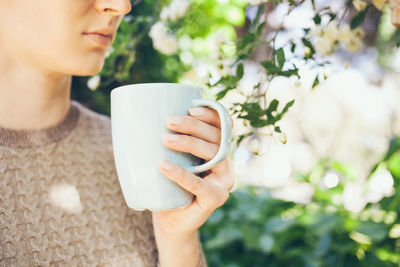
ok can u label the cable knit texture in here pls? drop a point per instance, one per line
(60, 200)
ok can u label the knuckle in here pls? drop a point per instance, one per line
(224, 196)
(189, 143)
(181, 173)
(186, 143)
(197, 184)
(189, 122)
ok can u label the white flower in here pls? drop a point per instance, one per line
(296, 192)
(331, 32)
(353, 198)
(177, 9)
(379, 4)
(358, 32)
(93, 82)
(224, 66)
(324, 46)
(359, 4)
(157, 30)
(315, 32)
(164, 15)
(351, 39)
(187, 57)
(345, 33)
(354, 44)
(109, 51)
(185, 42)
(253, 75)
(166, 45)
(162, 41)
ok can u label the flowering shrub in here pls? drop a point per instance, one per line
(328, 203)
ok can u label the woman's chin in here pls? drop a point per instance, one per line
(87, 69)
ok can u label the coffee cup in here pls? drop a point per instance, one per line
(138, 113)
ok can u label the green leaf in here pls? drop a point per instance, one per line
(241, 138)
(376, 231)
(277, 129)
(228, 81)
(317, 19)
(280, 54)
(266, 243)
(248, 38)
(277, 224)
(323, 244)
(288, 73)
(394, 164)
(270, 67)
(221, 94)
(260, 12)
(239, 71)
(224, 236)
(273, 106)
(293, 47)
(359, 18)
(287, 106)
(285, 109)
(332, 16)
(260, 28)
(309, 45)
(316, 82)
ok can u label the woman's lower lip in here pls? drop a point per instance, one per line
(99, 38)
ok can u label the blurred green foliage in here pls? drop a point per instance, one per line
(253, 228)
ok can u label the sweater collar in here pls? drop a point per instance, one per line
(41, 137)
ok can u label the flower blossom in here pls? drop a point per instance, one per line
(359, 5)
(93, 82)
(327, 40)
(177, 9)
(163, 41)
(379, 4)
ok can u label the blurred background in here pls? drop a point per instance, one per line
(323, 189)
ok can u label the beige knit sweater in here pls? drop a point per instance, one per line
(60, 200)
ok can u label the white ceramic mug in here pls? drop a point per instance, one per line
(138, 113)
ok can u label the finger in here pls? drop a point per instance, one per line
(194, 127)
(207, 115)
(190, 144)
(224, 170)
(182, 177)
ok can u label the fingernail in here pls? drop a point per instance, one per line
(171, 137)
(196, 111)
(174, 119)
(165, 165)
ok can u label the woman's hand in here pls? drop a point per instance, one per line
(201, 137)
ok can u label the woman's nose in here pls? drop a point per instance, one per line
(115, 7)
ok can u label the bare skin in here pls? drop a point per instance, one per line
(41, 48)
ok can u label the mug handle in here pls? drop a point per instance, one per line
(226, 135)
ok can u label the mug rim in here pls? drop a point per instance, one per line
(122, 87)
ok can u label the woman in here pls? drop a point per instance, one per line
(60, 200)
